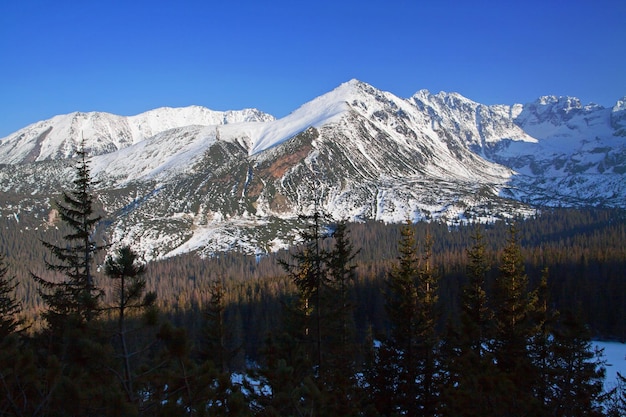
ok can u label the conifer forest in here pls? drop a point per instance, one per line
(359, 319)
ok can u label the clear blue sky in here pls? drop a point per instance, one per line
(126, 57)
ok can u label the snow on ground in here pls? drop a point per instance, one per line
(615, 356)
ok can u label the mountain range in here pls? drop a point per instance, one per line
(177, 180)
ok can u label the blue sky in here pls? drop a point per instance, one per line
(126, 57)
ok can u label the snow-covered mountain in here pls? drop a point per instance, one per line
(61, 136)
(179, 180)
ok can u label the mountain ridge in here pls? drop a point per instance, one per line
(356, 152)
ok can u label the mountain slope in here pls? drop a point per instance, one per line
(180, 180)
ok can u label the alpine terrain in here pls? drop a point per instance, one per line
(191, 179)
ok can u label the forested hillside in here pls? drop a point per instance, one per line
(366, 319)
(583, 249)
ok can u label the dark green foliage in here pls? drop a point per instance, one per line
(477, 286)
(473, 383)
(412, 347)
(10, 307)
(615, 400)
(26, 387)
(320, 318)
(128, 297)
(76, 297)
(221, 343)
(72, 299)
(338, 377)
(183, 386)
(577, 371)
(513, 313)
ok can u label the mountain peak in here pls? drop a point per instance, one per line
(566, 103)
(61, 136)
(181, 179)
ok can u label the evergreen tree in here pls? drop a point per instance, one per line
(73, 303)
(74, 300)
(578, 371)
(183, 387)
(412, 347)
(403, 312)
(26, 386)
(10, 307)
(338, 378)
(428, 375)
(615, 400)
(287, 372)
(514, 326)
(295, 357)
(129, 286)
(476, 316)
(218, 342)
(541, 341)
(472, 379)
(308, 273)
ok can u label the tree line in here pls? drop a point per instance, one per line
(394, 326)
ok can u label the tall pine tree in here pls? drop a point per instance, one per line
(578, 371)
(513, 308)
(10, 307)
(75, 298)
(129, 296)
(406, 364)
(338, 378)
(403, 311)
(428, 349)
(73, 303)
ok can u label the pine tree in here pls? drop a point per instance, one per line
(300, 350)
(428, 360)
(615, 400)
(339, 375)
(183, 387)
(541, 340)
(129, 295)
(27, 387)
(514, 325)
(218, 344)
(73, 304)
(578, 369)
(476, 316)
(307, 271)
(471, 386)
(10, 307)
(74, 300)
(403, 312)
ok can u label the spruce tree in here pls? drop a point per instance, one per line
(578, 369)
(471, 385)
(541, 341)
(514, 325)
(75, 299)
(221, 341)
(10, 307)
(73, 302)
(402, 309)
(476, 316)
(339, 375)
(428, 349)
(615, 399)
(301, 347)
(307, 270)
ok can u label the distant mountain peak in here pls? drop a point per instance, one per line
(61, 136)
